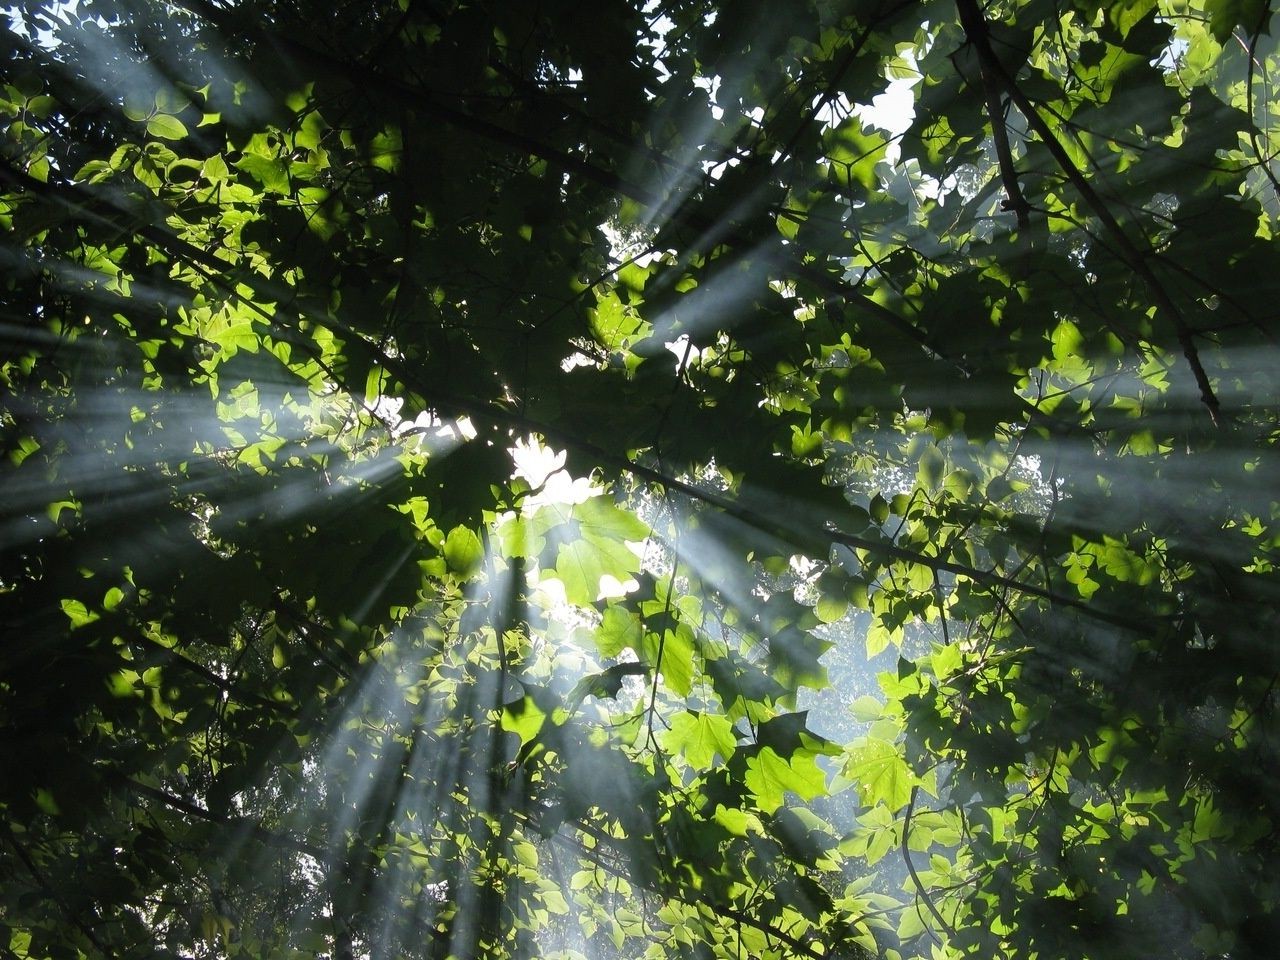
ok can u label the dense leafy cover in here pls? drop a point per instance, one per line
(978, 414)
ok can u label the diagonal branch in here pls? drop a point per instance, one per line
(837, 75)
(253, 828)
(977, 31)
(1014, 200)
(911, 867)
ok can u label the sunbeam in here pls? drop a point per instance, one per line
(667, 480)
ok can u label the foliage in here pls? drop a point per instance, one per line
(976, 415)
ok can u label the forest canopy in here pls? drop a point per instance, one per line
(639, 479)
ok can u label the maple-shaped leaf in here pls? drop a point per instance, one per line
(769, 777)
(880, 773)
(699, 736)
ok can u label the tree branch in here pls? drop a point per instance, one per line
(224, 685)
(1014, 201)
(911, 867)
(972, 16)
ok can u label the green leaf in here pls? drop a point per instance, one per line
(582, 564)
(234, 337)
(166, 127)
(386, 149)
(929, 472)
(1226, 15)
(112, 599)
(740, 823)
(268, 171)
(524, 718)
(880, 636)
(619, 629)
(699, 736)
(79, 614)
(946, 660)
(95, 171)
(831, 607)
(866, 709)
(600, 518)
(554, 901)
(1067, 340)
(910, 925)
(881, 775)
(769, 777)
(215, 169)
(463, 551)
(138, 110)
(672, 657)
(526, 853)
(604, 685)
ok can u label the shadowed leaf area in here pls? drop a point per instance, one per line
(645, 479)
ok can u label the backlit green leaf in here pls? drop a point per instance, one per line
(698, 736)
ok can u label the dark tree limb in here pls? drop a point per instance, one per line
(224, 685)
(250, 827)
(1014, 200)
(1134, 258)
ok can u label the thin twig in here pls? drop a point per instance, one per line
(1251, 51)
(911, 868)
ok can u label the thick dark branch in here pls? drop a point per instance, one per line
(976, 30)
(226, 686)
(1014, 201)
